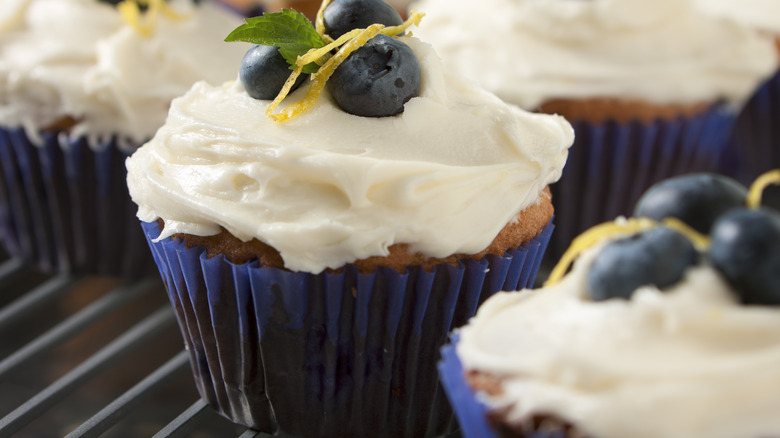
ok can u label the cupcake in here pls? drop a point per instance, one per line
(651, 87)
(657, 331)
(316, 265)
(754, 146)
(81, 87)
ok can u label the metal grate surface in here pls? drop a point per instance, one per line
(90, 356)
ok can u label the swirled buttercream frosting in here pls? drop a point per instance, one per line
(80, 59)
(327, 188)
(659, 51)
(687, 362)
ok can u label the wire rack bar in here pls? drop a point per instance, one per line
(120, 407)
(184, 423)
(8, 268)
(106, 357)
(74, 324)
(26, 305)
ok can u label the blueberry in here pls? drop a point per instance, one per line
(264, 72)
(745, 247)
(655, 257)
(696, 199)
(342, 16)
(377, 79)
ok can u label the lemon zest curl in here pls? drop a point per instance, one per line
(318, 79)
(598, 233)
(601, 232)
(593, 236)
(758, 186)
(319, 21)
(348, 43)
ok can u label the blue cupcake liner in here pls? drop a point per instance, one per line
(754, 146)
(336, 354)
(472, 414)
(611, 164)
(65, 207)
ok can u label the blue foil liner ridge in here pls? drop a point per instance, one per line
(333, 354)
(611, 164)
(65, 207)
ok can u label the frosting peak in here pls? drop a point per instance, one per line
(327, 188)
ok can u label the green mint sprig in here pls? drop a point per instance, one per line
(289, 30)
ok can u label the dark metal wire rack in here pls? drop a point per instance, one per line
(90, 356)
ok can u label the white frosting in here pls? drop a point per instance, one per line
(327, 188)
(79, 58)
(760, 14)
(690, 362)
(662, 51)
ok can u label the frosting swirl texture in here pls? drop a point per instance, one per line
(662, 51)
(79, 59)
(690, 361)
(327, 188)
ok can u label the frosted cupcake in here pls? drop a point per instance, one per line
(317, 264)
(651, 86)
(80, 89)
(655, 332)
(755, 143)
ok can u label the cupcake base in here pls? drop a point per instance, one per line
(334, 354)
(65, 208)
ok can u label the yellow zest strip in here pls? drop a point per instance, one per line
(758, 186)
(167, 11)
(349, 42)
(322, 54)
(318, 79)
(414, 19)
(699, 240)
(131, 13)
(591, 237)
(316, 55)
(288, 84)
(319, 21)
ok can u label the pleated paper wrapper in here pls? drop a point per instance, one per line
(65, 207)
(336, 354)
(754, 146)
(611, 164)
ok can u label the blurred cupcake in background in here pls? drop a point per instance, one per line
(657, 331)
(651, 87)
(755, 144)
(81, 87)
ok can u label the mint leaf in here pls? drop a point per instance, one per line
(288, 29)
